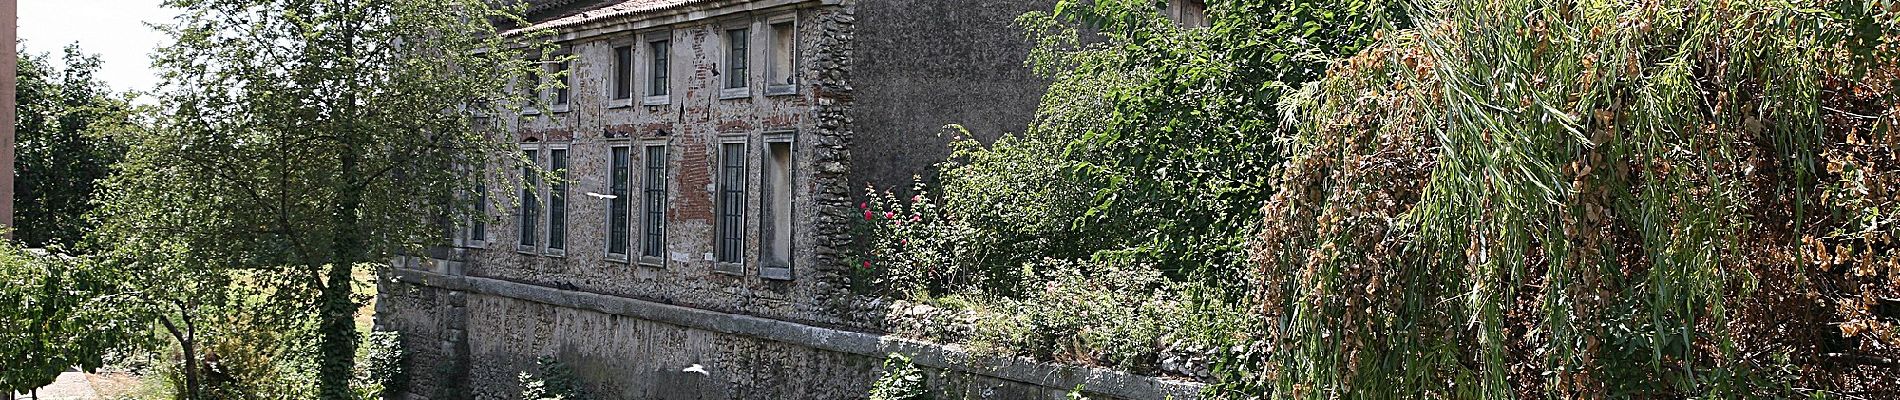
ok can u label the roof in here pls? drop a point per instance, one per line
(610, 9)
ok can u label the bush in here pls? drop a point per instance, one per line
(553, 381)
(901, 381)
(1589, 200)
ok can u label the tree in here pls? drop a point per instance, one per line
(61, 159)
(303, 139)
(55, 314)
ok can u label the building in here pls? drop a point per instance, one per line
(713, 153)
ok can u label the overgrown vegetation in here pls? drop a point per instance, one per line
(1591, 200)
(1113, 231)
(552, 380)
(901, 381)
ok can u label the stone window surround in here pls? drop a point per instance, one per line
(563, 68)
(522, 206)
(724, 55)
(643, 66)
(771, 61)
(633, 43)
(719, 186)
(666, 165)
(779, 272)
(609, 255)
(547, 203)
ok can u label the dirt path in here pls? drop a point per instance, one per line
(72, 385)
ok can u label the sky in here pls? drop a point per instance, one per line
(113, 29)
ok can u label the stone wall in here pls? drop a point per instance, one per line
(922, 64)
(634, 349)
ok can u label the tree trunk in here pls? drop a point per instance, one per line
(188, 343)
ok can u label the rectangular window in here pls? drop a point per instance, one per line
(653, 207)
(557, 202)
(731, 206)
(775, 211)
(563, 80)
(529, 205)
(531, 90)
(623, 73)
(658, 68)
(619, 208)
(478, 223)
(736, 62)
(782, 77)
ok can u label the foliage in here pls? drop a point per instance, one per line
(554, 381)
(901, 381)
(382, 370)
(61, 154)
(300, 140)
(54, 316)
(1586, 199)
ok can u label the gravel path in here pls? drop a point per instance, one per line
(72, 385)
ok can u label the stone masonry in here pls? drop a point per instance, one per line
(874, 80)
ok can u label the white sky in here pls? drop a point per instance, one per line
(113, 29)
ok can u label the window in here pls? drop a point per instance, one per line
(731, 205)
(562, 80)
(775, 209)
(529, 205)
(557, 202)
(736, 62)
(659, 70)
(782, 77)
(620, 206)
(531, 90)
(478, 223)
(623, 73)
(653, 208)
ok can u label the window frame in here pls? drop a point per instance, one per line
(527, 220)
(622, 194)
(665, 189)
(726, 64)
(616, 72)
(530, 86)
(772, 85)
(723, 230)
(790, 211)
(549, 194)
(475, 226)
(560, 95)
(646, 66)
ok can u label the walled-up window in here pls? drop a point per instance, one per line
(557, 202)
(781, 78)
(620, 207)
(658, 68)
(653, 207)
(623, 73)
(775, 211)
(527, 210)
(731, 205)
(736, 61)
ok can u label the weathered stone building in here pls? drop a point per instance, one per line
(711, 151)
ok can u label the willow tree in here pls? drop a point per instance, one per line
(306, 138)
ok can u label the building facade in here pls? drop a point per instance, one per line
(712, 152)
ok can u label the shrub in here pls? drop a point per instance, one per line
(553, 380)
(1588, 200)
(901, 381)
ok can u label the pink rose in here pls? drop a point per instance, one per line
(890, 215)
(864, 206)
(867, 264)
(868, 215)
